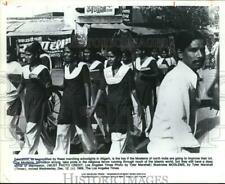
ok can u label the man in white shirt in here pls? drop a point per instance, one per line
(174, 120)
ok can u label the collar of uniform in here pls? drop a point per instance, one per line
(118, 77)
(94, 65)
(190, 75)
(130, 64)
(75, 72)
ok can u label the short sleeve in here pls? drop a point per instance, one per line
(101, 67)
(102, 82)
(153, 73)
(22, 79)
(131, 80)
(45, 78)
(45, 61)
(154, 67)
(85, 74)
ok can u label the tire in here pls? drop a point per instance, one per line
(54, 103)
(49, 131)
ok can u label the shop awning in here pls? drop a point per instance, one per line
(37, 27)
(150, 31)
(109, 26)
(135, 29)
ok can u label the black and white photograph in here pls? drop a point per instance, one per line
(112, 80)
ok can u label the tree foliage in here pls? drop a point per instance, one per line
(181, 17)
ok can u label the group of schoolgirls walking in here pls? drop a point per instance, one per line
(111, 92)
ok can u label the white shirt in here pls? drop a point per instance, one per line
(12, 68)
(172, 115)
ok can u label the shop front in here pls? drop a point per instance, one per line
(50, 33)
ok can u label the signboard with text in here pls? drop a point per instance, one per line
(53, 47)
(127, 15)
(99, 10)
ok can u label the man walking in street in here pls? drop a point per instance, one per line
(174, 120)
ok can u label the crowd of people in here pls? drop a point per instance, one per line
(151, 95)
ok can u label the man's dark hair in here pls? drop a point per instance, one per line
(184, 38)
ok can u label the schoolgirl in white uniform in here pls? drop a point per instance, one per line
(37, 82)
(97, 91)
(165, 63)
(145, 81)
(74, 105)
(120, 84)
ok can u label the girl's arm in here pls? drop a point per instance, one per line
(101, 90)
(91, 111)
(86, 79)
(140, 108)
(134, 93)
(87, 93)
(44, 79)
